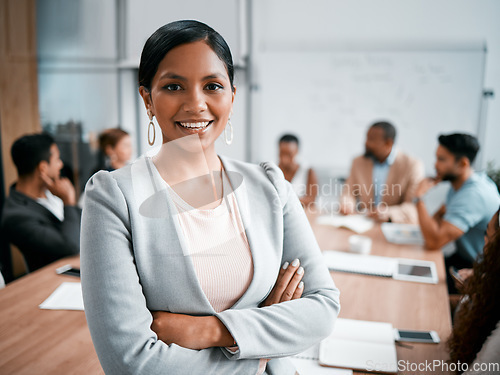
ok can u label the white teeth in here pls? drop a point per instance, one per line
(195, 125)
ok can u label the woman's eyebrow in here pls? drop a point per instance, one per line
(214, 76)
(170, 75)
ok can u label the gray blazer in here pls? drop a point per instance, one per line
(133, 261)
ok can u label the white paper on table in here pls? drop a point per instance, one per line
(306, 363)
(67, 296)
(356, 223)
(362, 264)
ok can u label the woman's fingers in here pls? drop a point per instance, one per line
(298, 291)
(293, 284)
(284, 280)
(283, 269)
(286, 285)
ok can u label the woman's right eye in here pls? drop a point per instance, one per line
(172, 87)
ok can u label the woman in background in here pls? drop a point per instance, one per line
(303, 179)
(194, 263)
(475, 339)
(115, 149)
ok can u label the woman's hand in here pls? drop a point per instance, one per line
(192, 332)
(288, 285)
(201, 332)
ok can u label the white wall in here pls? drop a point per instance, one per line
(301, 24)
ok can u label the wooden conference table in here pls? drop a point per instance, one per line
(407, 305)
(35, 341)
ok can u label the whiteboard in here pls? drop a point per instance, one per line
(330, 98)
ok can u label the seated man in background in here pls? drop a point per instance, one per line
(383, 180)
(40, 216)
(470, 204)
(303, 179)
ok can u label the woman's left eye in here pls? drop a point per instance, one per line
(172, 87)
(214, 87)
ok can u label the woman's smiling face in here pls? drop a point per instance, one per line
(191, 94)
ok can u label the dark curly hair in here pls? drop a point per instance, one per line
(479, 313)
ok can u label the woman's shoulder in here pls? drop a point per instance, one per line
(265, 175)
(104, 177)
(120, 179)
(262, 172)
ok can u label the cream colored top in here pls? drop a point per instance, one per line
(219, 249)
(218, 246)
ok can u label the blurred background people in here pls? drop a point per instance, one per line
(382, 182)
(115, 149)
(471, 202)
(40, 216)
(303, 178)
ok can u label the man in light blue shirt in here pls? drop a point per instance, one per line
(470, 209)
(470, 204)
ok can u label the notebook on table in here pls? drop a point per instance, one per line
(307, 363)
(420, 271)
(360, 345)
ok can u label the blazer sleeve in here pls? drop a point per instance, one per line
(115, 306)
(290, 327)
(26, 231)
(406, 212)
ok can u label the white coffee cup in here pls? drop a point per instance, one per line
(360, 244)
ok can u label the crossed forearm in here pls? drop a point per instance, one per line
(193, 332)
(202, 332)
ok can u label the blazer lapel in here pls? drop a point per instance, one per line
(155, 198)
(248, 203)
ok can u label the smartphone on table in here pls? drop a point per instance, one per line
(416, 336)
(69, 270)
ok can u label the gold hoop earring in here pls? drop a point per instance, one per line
(151, 124)
(230, 140)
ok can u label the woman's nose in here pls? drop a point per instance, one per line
(195, 102)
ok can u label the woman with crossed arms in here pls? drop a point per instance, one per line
(194, 263)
